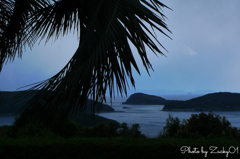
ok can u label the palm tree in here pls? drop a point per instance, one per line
(103, 60)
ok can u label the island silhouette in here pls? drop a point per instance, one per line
(220, 101)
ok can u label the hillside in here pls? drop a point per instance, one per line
(12, 102)
(90, 120)
(222, 101)
(145, 99)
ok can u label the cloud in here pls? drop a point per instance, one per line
(191, 52)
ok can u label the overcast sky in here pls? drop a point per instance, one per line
(203, 55)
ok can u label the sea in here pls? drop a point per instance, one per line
(151, 118)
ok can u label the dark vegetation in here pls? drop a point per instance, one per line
(108, 148)
(200, 125)
(68, 129)
(72, 140)
(222, 101)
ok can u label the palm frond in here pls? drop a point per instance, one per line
(103, 60)
(14, 15)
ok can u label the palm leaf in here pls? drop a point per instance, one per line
(103, 60)
(14, 17)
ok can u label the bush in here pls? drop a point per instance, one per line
(57, 123)
(101, 130)
(105, 130)
(31, 123)
(34, 129)
(133, 131)
(199, 125)
(172, 126)
(206, 124)
(66, 128)
(110, 130)
(5, 131)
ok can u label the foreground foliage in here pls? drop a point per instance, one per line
(71, 140)
(65, 148)
(199, 125)
(68, 129)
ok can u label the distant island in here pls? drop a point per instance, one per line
(145, 99)
(222, 101)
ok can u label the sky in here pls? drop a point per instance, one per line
(202, 55)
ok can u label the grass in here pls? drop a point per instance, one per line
(121, 147)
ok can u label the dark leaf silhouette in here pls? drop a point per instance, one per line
(103, 60)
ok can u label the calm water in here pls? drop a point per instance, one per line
(152, 120)
(150, 117)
